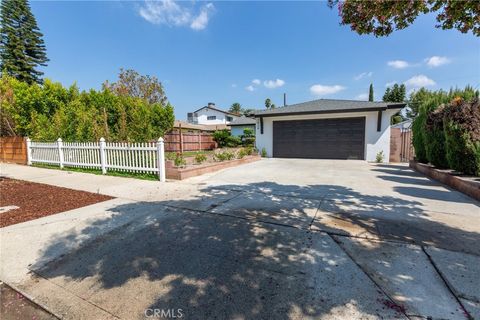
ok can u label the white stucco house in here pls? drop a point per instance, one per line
(211, 115)
(327, 129)
(238, 125)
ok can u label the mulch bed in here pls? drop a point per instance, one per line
(36, 200)
(15, 306)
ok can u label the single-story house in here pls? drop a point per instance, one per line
(211, 115)
(239, 124)
(327, 129)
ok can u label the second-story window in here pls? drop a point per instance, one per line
(230, 119)
(212, 118)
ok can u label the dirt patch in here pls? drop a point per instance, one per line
(15, 306)
(36, 200)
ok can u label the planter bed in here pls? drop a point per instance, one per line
(23, 201)
(466, 184)
(199, 169)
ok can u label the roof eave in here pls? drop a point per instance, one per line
(279, 114)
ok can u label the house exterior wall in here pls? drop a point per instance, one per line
(374, 141)
(238, 130)
(202, 117)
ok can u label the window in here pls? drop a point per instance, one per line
(230, 119)
(212, 118)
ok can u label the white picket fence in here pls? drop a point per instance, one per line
(119, 156)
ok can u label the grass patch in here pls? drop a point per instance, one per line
(136, 175)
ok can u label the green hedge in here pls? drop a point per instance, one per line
(462, 136)
(49, 111)
(446, 131)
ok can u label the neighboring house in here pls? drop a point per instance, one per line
(327, 129)
(211, 115)
(405, 125)
(239, 124)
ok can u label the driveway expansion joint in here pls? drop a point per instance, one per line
(447, 283)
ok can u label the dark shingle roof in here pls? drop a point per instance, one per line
(242, 121)
(329, 106)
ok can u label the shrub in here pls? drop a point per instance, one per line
(233, 141)
(223, 156)
(264, 153)
(221, 137)
(418, 140)
(462, 136)
(379, 157)
(179, 160)
(249, 150)
(435, 138)
(248, 137)
(242, 153)
(200, 158)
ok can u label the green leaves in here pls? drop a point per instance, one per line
(22, 49)
(382, 17)
(51, 111)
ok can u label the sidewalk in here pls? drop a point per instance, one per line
(119, 187)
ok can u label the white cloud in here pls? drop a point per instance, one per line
(363, 75)
(201, 21)
(169, 13)
(256, 81)
(250, 88)
(398, 64)
(362, 96)
(419, 81)
(391, 83)
(436, 61)
(272, 84)
(321, 90)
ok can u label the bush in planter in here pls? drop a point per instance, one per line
(221, 137)
(200, 158)
(248, 137)
(435, 137)
(179, 160)
(233, 141)
(462, 136)
(418, 140)
(224, 156)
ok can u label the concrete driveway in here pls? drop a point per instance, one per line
(279, 238)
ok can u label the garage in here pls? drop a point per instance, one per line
(342, 138)
(326, 129)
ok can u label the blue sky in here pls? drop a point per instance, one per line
(245, 52)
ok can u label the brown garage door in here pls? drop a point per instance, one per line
(319, 138)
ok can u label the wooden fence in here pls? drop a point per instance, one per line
(148, 157)
(179, 141)
(13, 149)
(401, 147)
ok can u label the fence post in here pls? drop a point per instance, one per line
(60, 152)
(199, 140)
(29, 151)
(181, 137)
(103, 163)
(161, 159)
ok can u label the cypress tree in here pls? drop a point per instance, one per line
(370, 93)
(22, 48)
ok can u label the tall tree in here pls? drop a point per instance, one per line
(22, 49)
(236, 108)
(370, 93)
(395, 94)
(382, 17)
(131, 83)
(268, 103)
